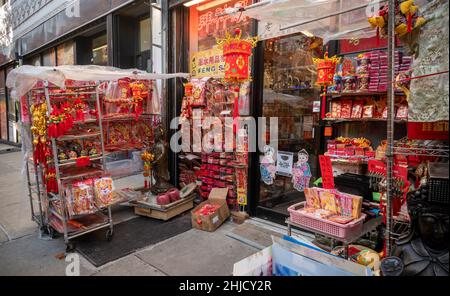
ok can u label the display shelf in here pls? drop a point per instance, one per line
(368, 226)
(78, 137)
(87, 121)
(129, 117)
(74, 161)
(350, 159)
(339, 120)
(361, 94)
(431, 148)
(88, 172)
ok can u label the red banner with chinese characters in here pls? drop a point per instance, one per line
(428, 130)
(358, 45)
(326, 168)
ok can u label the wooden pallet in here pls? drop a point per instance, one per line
(167, 212)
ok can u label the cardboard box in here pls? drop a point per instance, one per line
(217, 196)
(239, 217)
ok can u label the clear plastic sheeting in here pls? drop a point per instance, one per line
(429, 99)
(278, 14)
(327, 19)
(23, 79)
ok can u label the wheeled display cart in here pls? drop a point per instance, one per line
(83, 127)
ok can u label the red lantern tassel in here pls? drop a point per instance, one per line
(79, 115)
(324, 102)
(409, 22)
(235, 108)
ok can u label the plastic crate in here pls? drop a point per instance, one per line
(343, 231)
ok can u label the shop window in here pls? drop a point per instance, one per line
(144, 35)
(49, 58)
(65, 54)
(34, 60)
(100, 50)
(289, 95)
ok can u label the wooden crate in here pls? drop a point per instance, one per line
(167, 213)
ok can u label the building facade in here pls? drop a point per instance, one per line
(120, 33)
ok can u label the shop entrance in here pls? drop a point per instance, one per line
(289, 94)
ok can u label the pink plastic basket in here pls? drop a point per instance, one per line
(344, 231)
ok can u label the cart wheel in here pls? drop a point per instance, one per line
(109, 235)
(51, 232)
(70, 247)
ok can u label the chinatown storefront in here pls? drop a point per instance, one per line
(282, 87)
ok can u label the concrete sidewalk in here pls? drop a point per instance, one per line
(22, 252)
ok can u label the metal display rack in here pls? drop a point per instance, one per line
(47, 214)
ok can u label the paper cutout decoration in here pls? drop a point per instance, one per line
(267, 166)
(284, 163)
(301, 172)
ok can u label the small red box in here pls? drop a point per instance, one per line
(370, 154)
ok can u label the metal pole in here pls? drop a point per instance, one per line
(390, 124)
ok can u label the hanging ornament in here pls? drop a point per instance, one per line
(326, 68)
(147, 157)
(237, 53)
(138, 94)
(407, 19)
(39, 131)
(267, 166)
(301, 172)
(79, 106)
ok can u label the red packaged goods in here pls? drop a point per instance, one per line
(346, 109)
(349, 151)
(357, 109)
(331, 151)
(402, 112)
(331, 146)
(367, 111)
(336, 109)
(359, 151)
(370, 153)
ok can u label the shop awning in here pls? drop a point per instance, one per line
(22, 79)
(327, 19)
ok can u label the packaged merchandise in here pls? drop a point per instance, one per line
(104, 191)
(80, 198)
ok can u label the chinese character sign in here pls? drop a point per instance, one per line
(207, 63)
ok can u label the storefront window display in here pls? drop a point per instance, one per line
(49, 58)
(289, 94)
(65, 53)
(100, 50)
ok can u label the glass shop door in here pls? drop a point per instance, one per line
(289, 94)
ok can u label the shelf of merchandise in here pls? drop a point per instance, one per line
(332, 95)
(339, 120)
(71, 162)
(432, 148)
(77, 137)
(64, 178)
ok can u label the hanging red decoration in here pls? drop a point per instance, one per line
(326, 68)
(237, 53)
(79, 106)
(138, 94)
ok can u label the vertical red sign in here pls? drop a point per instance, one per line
(326, 169)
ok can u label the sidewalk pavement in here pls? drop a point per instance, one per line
(22, 252)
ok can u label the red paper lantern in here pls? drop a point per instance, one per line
(326, 68)
(237, 52)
